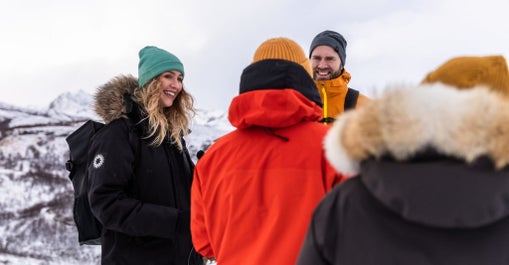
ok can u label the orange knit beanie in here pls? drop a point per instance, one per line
(284, 49)
(467, 72)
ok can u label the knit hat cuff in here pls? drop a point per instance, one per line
(332, 39)
(154, 61)
(158, 69)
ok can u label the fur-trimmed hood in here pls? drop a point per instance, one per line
(464, 124)
(434, 155)
(109, 98)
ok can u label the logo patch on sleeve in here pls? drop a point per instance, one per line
(98, 161)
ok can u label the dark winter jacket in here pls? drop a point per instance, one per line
(255, 208)
(140, 193)
(433, 183)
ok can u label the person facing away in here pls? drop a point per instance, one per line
(141, 172)
(433, 171)
(328, 56)
(255, 188)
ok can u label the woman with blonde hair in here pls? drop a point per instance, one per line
(141, 173)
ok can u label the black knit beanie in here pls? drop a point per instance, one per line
(333, 40)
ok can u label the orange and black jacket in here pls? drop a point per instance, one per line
(334, 96)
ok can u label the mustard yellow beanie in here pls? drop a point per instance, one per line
(469, 71)
(283, 49)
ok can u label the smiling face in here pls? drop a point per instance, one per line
(171, 85)
(325, 63)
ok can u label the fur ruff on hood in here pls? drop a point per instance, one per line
(109, 98)
(463, 124)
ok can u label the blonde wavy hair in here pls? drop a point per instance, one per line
(174, 121)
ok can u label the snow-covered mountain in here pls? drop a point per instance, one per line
(36, 196)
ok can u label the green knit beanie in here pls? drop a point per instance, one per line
(155, 61)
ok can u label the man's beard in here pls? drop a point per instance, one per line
(333, 75)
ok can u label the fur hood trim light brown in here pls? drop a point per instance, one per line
(464, 124)
(109, 98)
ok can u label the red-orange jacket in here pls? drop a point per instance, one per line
(254, 190)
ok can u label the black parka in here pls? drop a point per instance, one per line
(432, 185)
(139, 192)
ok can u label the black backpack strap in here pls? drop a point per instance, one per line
(351, 99)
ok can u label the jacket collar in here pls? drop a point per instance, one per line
(275, 94)
(278, 74)
(339, 82)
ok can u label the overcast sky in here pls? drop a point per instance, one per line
(49, 47)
